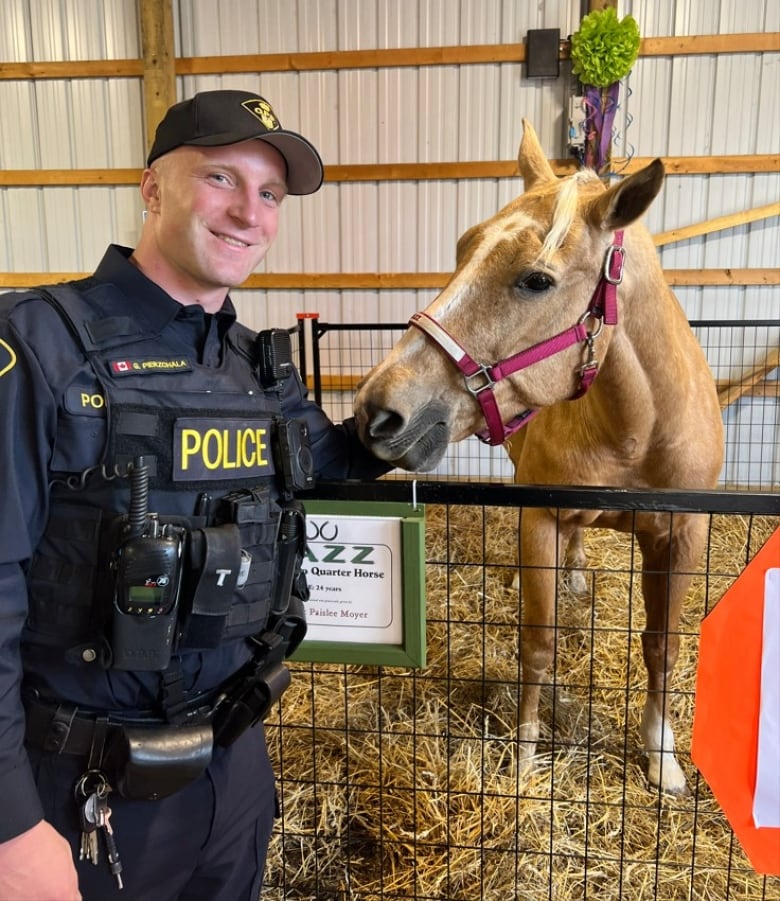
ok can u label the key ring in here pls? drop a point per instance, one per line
(98, 783)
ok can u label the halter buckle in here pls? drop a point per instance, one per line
(612, 250)
(486, 385)
(588, 366)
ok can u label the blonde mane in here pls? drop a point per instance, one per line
(563, 214)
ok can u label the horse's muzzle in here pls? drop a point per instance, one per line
(416, 443)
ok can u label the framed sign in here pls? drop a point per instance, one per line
(365, 565)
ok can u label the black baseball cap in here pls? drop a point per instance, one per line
(217, 118)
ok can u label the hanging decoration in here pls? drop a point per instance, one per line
(602, 52)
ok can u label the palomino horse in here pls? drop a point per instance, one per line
(564, 287)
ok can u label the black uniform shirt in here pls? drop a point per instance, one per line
(38, 359)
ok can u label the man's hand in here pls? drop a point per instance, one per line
(38, 864)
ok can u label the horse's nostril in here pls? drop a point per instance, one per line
(385, 424)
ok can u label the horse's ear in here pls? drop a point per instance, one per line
(534, 166)
(625, 201)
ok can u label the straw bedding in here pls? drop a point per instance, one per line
(400, 784)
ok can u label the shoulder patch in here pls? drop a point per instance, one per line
(85, 401)
(7, 357)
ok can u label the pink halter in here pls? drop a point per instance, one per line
(480, 378)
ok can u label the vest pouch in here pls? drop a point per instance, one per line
(230, 570)
(256, 513)
(215, 563)
(61, 578)
(145, 763)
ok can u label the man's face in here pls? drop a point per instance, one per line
(212, 214)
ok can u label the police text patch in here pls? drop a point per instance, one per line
(85, 401)
(221, 449)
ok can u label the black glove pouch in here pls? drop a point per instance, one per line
(150, 762)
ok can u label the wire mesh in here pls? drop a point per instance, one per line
(401, 783)
(412, 784)
(744, 357)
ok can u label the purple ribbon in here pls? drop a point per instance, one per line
(600, 107)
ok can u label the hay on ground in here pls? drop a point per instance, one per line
(400, 784)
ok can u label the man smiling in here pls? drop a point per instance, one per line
(151, 453)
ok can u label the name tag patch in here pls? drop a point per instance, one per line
(148, 366)
(221, 449)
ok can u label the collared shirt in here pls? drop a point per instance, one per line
(187, 326)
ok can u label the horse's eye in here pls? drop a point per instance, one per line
(536, 282)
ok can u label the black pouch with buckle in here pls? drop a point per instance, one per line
(146, 763)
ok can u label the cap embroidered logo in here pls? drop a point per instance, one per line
(261, 110)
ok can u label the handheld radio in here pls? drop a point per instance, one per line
(147, 578)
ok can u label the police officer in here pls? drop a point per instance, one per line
(150, 451)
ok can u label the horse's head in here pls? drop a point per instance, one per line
(516, 326)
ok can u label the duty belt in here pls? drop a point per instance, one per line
(65, 729)
(142, 760)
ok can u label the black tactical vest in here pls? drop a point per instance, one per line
(205, 435)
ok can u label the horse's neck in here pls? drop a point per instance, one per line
(650, 364)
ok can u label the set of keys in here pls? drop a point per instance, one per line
(92, 792)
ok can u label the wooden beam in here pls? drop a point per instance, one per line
(703, 165)
(733, 220)
(460, 55)
(714, 277)
(429, 171)
(98, 68)
(42, 178)
(326, 60)
(378, 281)
(598, 5)
(347, 281)
(753, 385)
(752, 379)
(679, 165)
(158, 55)
(473, 54)
(339, 382)
(710, 44)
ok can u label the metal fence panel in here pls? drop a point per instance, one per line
(411, 784)
(743, 357)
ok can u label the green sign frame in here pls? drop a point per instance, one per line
(406, 524)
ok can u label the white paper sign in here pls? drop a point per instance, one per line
(353, 567)
(766, 800)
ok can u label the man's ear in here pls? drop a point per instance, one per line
(150, 190)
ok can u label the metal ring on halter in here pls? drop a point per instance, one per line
(585, 317)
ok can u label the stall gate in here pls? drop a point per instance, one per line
(408, 782)
(744, 356)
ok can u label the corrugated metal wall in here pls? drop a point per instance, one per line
(690, 105)
(68, 124)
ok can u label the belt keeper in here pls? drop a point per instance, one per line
(59, 729)
(98, 743)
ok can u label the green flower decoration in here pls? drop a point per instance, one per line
(604, 49)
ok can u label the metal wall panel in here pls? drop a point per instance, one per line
(68, 124)
(702, 105)
(694, 105)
